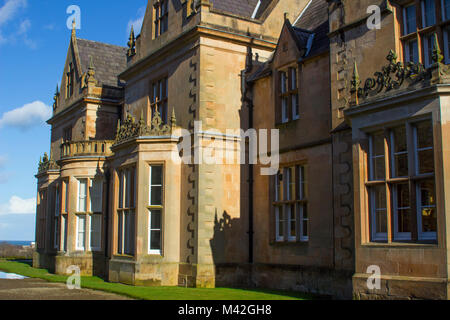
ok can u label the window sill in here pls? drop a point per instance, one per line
(400, 245)
(289, 243)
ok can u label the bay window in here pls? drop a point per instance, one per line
(400, 183)
(89, 214)
(290, 205)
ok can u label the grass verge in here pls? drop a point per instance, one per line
(153, 293)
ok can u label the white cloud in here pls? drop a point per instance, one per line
(137, 23)
(17, 205)
(7, 13)
(27, 116)
(9, 9)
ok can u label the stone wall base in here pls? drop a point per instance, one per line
(44, 261)
(143, 273)
(89, 264)
(314, 280)
(401, 288)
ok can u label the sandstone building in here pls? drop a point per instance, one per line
(360, 180)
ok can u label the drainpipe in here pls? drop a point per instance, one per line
(248, 100)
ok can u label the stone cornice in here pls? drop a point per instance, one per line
(187, 36)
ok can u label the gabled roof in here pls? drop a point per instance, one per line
(243, 8)
(109, 60)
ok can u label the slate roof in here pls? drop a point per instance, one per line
(315, 19)
(109, 60)
(244, 8)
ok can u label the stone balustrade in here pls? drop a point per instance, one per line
(86, 148)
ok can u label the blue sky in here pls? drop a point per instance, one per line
(33, 44)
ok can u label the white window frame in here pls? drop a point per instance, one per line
(79, 216)
(278, 213)
(151, 229)
(289, 219)
(303, 221)
(79, 194)
(56, 218)
(64, 225)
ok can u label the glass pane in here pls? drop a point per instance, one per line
(301, 178)
(292, 221)
(378, 201)
(96, 195)
(424, 135)
(156, 178)
(446, 9)
(291, 183)
(304, 221)
(402, 195)
(412, 52)
(403, 217)
(283, 82)
(155, 219)
(284, 109)
(429, 42)
(430, 13)
(155, 241)
(82, 196)
(381, 221)
(81, 231)
(156, 196)
(295, 106)
(410, 19)
(278, 182)
(280, 222)
(378, 169)
(426, 161)
(400, 152)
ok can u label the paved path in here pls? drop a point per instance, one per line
(36, 289)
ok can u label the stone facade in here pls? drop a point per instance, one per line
(115, 199)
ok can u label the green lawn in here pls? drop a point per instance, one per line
(153, 293)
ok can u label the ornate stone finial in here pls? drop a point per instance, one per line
(286, 16)
(45, 159)
(56, 98)
(90, 77)
(173, 119)
(355, 85)
(437, 53)
(131, 44)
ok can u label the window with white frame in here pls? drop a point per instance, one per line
(126, 211)
(56, 222)
(155, 208)
(81, 232)
(64, 225)
(290, 205)
(82, 195)
(397, 189)
(288, 95)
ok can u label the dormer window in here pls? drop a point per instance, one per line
(288, 95)
(69, 81)
(161, 17)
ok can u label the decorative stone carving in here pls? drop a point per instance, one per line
(131, 129)
(395, 74)
(56, 98)
(46, 164)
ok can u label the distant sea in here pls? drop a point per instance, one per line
(17, 243)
